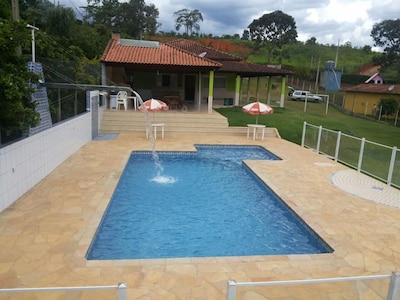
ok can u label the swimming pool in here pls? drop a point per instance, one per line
(199, 204)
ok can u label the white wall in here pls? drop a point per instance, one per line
(23, 164)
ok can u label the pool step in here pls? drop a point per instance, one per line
(121, 121)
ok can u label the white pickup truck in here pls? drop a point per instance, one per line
(303, 95)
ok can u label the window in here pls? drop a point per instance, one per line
(166, 80)
(219, 82)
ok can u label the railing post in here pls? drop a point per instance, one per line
(339, 135)
(394, 287)
(319, 138)
(327, 105)
(122, 291)
(231, 293)
(360, 157)
(305, 104)
(391, 166)
(303, 137)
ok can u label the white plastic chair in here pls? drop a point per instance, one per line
(122, 99)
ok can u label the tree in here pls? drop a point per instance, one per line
(348, 44)
(367, 49)
(389, 106)
(311, 41)
(246, 35)
(102, 12)
(91, 39)
(60, 21)
(35, 12)
(273, 31)
(16, 107)
(189, 19)
(134, 18)
(5, 9)
(386, 34)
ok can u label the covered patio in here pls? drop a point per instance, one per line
(182, 72)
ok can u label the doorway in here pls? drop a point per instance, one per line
(190, 87)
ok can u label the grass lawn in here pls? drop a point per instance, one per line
(289, 122)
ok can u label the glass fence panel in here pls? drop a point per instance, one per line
(396, 170)
(349, 150)
(376, 160)
(311, 137)
(328, 142)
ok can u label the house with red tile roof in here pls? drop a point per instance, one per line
(368, 70)
(185, 69)
(365, 98)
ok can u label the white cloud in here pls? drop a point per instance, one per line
(326, 20)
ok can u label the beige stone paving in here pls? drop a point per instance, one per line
(366, 187)
(44, 236)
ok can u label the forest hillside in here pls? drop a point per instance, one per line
(303, 58)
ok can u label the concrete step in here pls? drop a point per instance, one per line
(121, 121)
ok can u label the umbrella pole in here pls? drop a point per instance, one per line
(257, 120)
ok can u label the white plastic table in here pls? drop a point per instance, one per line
(134, 101)
(155, 126)
(256, 127)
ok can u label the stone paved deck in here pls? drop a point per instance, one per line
(366, 187)
(44, 236)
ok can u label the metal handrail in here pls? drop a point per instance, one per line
(393, 291)
(120, 287)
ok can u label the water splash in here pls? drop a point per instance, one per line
(162, 179)
(159, 178)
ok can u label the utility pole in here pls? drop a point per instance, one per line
(337, 53)
(317, 76)
(15, 10)
(15, 17)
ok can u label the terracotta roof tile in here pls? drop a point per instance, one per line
(230, 63)
(199, 49)
(181, 54)
(368, 70)
(163, 54)
(393, 89)
(246, 69)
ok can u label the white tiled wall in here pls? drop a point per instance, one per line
(23, 164)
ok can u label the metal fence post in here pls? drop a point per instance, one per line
(303, 137)
(391, 166)
(122, 291)
(360, 157)
(394, 287)
(327, 105)
(339, 135)
(231, 293)
(319, 138)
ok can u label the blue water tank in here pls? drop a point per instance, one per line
(330, 65)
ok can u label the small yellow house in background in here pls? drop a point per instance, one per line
(364, 98)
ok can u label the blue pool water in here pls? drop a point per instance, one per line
(199, 204)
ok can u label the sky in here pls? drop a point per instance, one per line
(329, 21)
